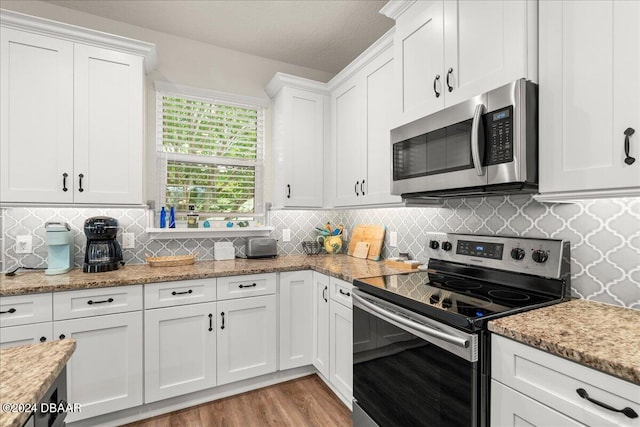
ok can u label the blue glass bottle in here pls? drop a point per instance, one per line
(172, 217)
(163, 218)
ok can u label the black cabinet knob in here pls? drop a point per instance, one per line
(540, 256)
(517, 253)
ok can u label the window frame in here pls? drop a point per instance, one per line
(161, 157)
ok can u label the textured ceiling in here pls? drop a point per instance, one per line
(323, 35)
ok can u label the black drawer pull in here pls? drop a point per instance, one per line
(80, 176)
(222, 315)
(627, 134)
(362, 187)
(91, 302)
(210, 322)
(62, 336)
(43, 339)
(449, 72)
(627, 411)
(11, 310)
(288, 191)
(174, 293)
(324, 294)
(435, 81)
(345, 293)
(253, 285)
(64, 181)
(356, 188)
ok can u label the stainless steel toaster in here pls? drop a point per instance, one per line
(261, 247)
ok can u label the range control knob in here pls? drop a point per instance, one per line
(446, 246)
(539, 256)
(517, 253)
(433, 244)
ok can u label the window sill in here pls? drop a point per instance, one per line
(198, 233)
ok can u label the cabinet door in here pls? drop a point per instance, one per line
(179, 350)
(512, 409)
(321, 323)
(296, 319)
(341, 349)
(104, 374)
(108, 126)
(485, 45)
(36, 145)
(304, 143)
(14, 336)
(246, 338)
(589, 95)
(379, 114)
(419, 44)
(348, 148)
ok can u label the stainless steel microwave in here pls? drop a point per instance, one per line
(485, 146)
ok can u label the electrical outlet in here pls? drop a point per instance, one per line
(128, 241)
(24, 244)
(286, 235)
(393, 239)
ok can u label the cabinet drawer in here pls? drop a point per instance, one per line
(169, 294)
(13, 336)
(95, 302)
(246, 286)
(340, 291)
(24, 309)
(554, 381)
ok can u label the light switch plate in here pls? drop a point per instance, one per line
(128, 241)
(286, 235)
(393, 239)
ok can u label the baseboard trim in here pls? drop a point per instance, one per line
(197, 398)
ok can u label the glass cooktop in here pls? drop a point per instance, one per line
(459, 301)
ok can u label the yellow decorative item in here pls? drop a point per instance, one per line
(332, 244)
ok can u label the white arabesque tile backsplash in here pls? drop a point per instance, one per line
(604, 234)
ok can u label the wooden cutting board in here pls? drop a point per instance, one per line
(372, 234)
(361, 250)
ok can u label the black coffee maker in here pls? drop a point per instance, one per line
(103, 251)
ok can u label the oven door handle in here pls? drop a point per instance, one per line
(451, 339)
(475, 139)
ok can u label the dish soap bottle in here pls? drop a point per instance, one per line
(163, 218)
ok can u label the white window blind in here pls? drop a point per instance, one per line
(210, 154)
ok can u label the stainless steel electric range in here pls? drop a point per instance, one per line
(421, 349)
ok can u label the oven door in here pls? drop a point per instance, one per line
(409, 370)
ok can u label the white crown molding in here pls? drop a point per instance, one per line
(61, 30)
(363, 59)
(395, 8)
(209, 95)
(281, 80)
(574, 196)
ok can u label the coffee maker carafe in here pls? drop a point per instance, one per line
(103, 251)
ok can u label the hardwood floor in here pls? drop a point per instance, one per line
(305, 401)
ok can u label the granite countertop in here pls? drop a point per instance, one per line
(341, 266)
(27, 372)
(601, 336)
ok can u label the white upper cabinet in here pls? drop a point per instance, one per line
(589, 98)
(72, 113)
(298, 140)
(449, 51)
(362, 113)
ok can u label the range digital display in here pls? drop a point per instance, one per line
(480, 249)
(500, 115)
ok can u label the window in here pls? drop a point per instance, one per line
(210, 152)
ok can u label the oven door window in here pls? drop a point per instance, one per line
(440, 151)
(402, 380)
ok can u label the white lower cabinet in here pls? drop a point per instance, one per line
(180, 350)
(340, 349)
(321, 323)
(246, 338)
(14, 336)
(296, 319)
(530, 387)
(105, 372)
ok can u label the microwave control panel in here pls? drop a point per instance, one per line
(499, 136)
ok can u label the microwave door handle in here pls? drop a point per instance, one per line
(475, 139)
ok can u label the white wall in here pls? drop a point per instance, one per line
(187, 62)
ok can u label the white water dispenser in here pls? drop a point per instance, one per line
(60, 248)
